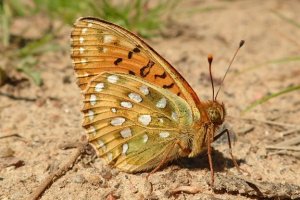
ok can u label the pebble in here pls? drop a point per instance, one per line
(79, 179)
(106, 173)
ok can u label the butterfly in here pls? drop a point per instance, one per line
(139, 112)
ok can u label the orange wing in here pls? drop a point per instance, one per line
(99, 46)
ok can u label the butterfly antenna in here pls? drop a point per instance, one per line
(242, 42)
(210, 59)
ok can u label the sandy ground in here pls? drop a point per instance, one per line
(50, 117)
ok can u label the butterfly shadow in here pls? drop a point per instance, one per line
(201, 161)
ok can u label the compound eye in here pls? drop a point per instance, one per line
(217, 116)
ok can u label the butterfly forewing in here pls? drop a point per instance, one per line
(133, 123)
(99, 46)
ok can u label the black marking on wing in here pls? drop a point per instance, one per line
(131, 72)
(163, 75)
(117, 61)
(136, 50)
(130, 54)
(168, 86)
(144, 71)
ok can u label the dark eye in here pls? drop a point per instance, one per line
(214, 115)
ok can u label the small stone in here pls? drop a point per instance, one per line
(79, 179)
(106, 173)
(117, 185)
(115, 172)
(95, 180)
(67, 79)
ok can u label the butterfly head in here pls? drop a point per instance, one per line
(216, 112)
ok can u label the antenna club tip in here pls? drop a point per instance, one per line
(242, 42)
(210, 58)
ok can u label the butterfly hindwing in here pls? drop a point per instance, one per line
(131, 122)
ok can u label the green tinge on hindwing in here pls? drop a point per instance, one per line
(135, 136)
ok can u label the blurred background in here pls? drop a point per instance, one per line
(40, 102)
(32, 27)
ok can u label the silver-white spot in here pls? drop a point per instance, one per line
(164, 134)
(99, 87)
(162, 103)
(90, 24)
(174, 116)
(112, 78)
(117, 121)
(108, 39)
(145, 138)
(144, 89)
(135, 97)
(84, 30)
(83, 75)
(92, 130)
(101, 144)
(81, 39)
(109, 156)
(113, 110)
(124, 148)
(93, 99)
(126, 104)
(91, 115)
(126, 133)
(161, 120)
(144, 119)
(81, 50)
(83, 61)
(104, 50)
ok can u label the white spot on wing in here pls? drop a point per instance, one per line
(113, 110)
(126, 133)
(93, 99)
(112, 78)
(124, 148)
(135, 97)
(164, 134)
(109, 156)
(161, 120)
(108, 38)
(101, 144)
(144, 89)
(92, 130)
(144, 119)
(83, 61)
(99, 87)
(117, 121)
(174, 116)
(91, 115)
(84, 30)
(81, 50)
(145, 138)
(162, 103)
(126, 104)
(81, 39)
(90, 24)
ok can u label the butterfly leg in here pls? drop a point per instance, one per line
(209, 150)
(230, 148)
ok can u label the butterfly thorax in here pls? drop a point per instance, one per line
(212, 116)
